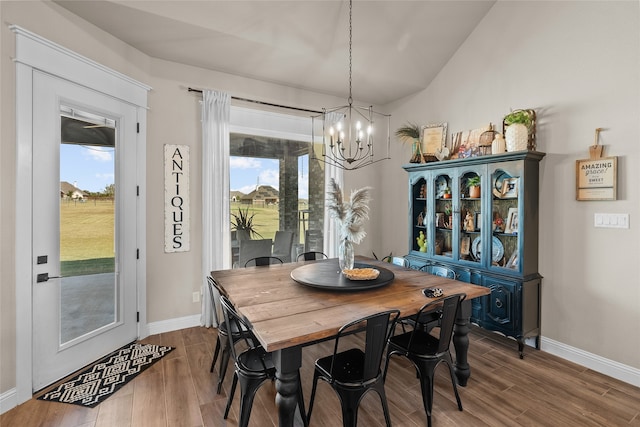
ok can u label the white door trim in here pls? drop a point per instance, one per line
(35, 52)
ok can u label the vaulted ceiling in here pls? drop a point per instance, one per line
(398, 46)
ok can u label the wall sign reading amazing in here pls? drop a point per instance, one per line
(176, 198)
(596, 179)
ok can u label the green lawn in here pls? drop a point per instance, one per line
(86, 237)
(86, 234)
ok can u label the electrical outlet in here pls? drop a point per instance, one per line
(196, 297)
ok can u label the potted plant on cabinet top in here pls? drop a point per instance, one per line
(473, 183)
(411, 132)
(519, 126)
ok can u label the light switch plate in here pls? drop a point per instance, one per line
(607, 220)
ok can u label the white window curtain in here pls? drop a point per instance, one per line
(331, 236)
(216, 229)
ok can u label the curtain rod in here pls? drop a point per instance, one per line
(264, 103)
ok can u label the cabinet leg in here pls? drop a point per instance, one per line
(521, 347)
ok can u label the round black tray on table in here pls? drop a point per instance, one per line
(326, 274)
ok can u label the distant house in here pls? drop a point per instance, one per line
(66, 189)
(263, 195)
(236, 196)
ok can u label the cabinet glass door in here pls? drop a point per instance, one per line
(470, 208)
(444, 218)
(506, 190)
(419, 215)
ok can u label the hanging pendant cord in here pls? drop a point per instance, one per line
(350, 50)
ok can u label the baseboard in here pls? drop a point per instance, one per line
(592, 361)
(173, 324)
(8, 400)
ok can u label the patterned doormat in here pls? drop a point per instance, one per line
(100, 380)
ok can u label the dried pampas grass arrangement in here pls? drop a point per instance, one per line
(351, 214)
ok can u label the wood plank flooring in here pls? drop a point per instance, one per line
(541, 390)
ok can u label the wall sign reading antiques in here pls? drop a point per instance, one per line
(596, 177)
(176, 198)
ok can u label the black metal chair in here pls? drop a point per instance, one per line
(439, 270)
(262, 261)
(426, 351)
(354, 372)
(396, 260)
(252, 367)
(431, 320)
(311, 255)
(223, 332)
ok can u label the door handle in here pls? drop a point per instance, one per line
(44, 277)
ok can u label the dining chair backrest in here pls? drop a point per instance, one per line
(378, 328)
(397, 260)
(313, 241)
(282, 244)
(449, 307)
(311, 256)
(262, 261)
(439, 270)
(214, 293)
(250, 249)
(235, 320)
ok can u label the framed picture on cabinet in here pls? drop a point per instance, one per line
(510, 188)
(512, 221)
(433, 138)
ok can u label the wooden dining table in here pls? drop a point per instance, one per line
(287, 315)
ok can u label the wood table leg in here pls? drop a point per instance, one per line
(287, 362)
(461, 342)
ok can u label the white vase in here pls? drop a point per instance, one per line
(517, 137)
(498, 146)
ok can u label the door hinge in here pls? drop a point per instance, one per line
(137, 190)
(137, 127)
(137, 253)
(138, 316)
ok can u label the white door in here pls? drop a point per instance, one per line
(84, 239)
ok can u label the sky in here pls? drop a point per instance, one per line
(88, 168)
(92, 169)
(247, 172)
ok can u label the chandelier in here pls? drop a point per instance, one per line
(348, 131)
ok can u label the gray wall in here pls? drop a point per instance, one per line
(577, 65)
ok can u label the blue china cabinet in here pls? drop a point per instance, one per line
(489, 238)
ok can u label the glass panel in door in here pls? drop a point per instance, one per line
(419, 226)
(505, 216)
(444, 209)
(87, 224)
(470, 217)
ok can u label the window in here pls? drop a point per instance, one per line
(273, 182)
